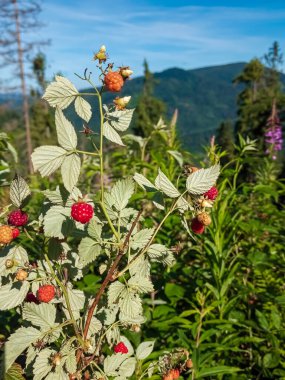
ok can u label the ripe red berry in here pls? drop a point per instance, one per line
(175, 374)
(197, 227)
(30, 297)
(46, 293)
(18, 218)
(113, 81)
(82, 212)
(15, 232)
(168, 376)
(212, 193)
(6, 234)
(121, 347)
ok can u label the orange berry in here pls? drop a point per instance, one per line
(113, 81)
(6, 234)
(204, 218)
(21, 275)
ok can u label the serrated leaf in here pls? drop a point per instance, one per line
(144, 350)
(42, 366)
(112, 363)
(18, 254)
(19, 191)
(47, 159)
(144, 182)
(83, 108)
(12, 295)
(164, 184)
(114, 292)
(66, 134)
(141, 267)
(70, 170)
(127, 368)
(60, 93)
(18, 342)
(95, 326)
(156, 251)
(88, 251)
(42, 315)
(76, 298)
(140, 284)
(130, 305)
(110, 134)
(121, 120)
(141, 238)
(121, 193)
(202, 180)
(15, 372)
(54, 221)
(95, 229)
(54, 196)
(71, 364)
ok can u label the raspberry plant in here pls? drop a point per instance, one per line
(65, 333)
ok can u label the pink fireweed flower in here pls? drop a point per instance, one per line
(273, 134)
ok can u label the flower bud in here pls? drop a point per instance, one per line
(9, 263)
(189, 363)
(126, 72)
(101, 55)
(21, 275)
(56, 360)
(121, 103)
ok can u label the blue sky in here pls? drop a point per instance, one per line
(186, 34)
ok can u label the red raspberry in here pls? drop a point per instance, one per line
(46, 293)
(212, 193)
(15, 232)
(168, 376)
(197, 226)
(6, 234)
(121, 347)
(18, 218)
(175, 374)
(30, 297)
(113, 81)
(82, 212)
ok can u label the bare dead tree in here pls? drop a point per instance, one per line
(19, 21)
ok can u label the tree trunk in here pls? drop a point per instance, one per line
(23, 87)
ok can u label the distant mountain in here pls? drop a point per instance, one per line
(204, 98)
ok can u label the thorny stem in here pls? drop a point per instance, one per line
(63, 288)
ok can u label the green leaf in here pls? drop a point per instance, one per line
(262, 320)
(121, 120)
(95, 229)
(54, 221)
(42, 365)
(112, 364)
(19, 191)
(42, 315)
(164, 184)
(88, 251)
(83, 108)
(76, 299)
(156, 251)
(177, 155)
(141, 238)
(205, 372)
(60, 93)
(71, 364)
(122, 192)
(271, 360)
(47, 159)
(15, 372)
(202, 180)
(111, 134)
(18, 342)
(127, 368)
(174, 292)
(144, 350)
(66, 134)
(144, 182)
(70, 170)
(130, 305)
(12, 295)
(18, 254)
(114, 292)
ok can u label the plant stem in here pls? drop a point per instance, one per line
(88, 153)
(64, 291)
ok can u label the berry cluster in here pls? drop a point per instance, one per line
(121, 348)
(82, 212)
(18, 218)
(46, 293)
(203, 219)
(172, 374)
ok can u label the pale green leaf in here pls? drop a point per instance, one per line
(121, 120)
(156, 251)
(54, 221)
(144, 182)
(164, 184)
(88, 251)
(15, 372)
(141, 238)
(70, 170)
(66, 134)
(76, 299)
(114, 292)
(140, 284)
(42, 315)
(130, 305)
(18, 342)
(202, 180)
(112, 363)
(47, 159)
(54, 196)
(42, 365)
(19, 191)
(60, 93)
(71, 363)
(111, 134)
(17, 254)
(95, 229)
(137, 139)
(95, 326)
(12, 295)
(122, 192)
(83, 108)
(140, 267)
(144, 350)
(127, 368)
(177, 155)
